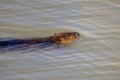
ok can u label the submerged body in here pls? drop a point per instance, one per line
(57, 38)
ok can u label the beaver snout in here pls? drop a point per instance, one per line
(77, 34)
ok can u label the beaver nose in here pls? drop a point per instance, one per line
(77, 34)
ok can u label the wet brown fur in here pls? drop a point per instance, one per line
(59, 38)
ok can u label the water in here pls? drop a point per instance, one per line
(95, 56)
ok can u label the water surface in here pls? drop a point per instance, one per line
(95, 56)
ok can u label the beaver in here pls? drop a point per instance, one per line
(57, 38)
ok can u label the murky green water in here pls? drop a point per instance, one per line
(95, 56)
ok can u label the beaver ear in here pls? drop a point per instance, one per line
(58, 38)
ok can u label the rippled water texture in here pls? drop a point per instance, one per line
(95, 56)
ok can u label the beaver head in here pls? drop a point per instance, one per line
(65, 37)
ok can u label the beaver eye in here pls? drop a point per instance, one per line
(58, 38)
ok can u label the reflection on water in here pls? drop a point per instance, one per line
(93, 57)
